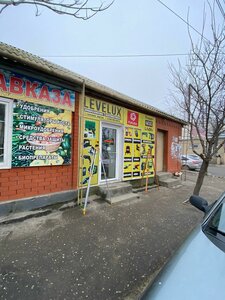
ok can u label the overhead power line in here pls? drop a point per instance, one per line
(182, 19)
(138, 55)
(115, 55)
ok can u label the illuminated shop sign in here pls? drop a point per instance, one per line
(13, 85)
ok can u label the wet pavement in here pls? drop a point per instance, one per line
(110, 253)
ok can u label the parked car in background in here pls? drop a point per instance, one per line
(197, 271)
(191, 162)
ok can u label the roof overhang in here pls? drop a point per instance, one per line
(12, 54)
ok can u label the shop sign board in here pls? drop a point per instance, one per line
(132, 118)
(41, 135)
(102, 110)
(138, 140)
(16, 86)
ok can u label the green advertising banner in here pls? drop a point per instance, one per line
(41, 135)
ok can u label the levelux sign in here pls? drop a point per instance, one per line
(103, 110)
(13, 85)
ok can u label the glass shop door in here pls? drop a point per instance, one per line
(110, 152)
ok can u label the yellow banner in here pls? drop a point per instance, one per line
(139, 145)
(138, 140)
(90, 159)
(102, 110)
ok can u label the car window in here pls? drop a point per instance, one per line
(194, 156)
(184, 158)
(217, 222)
(215, 227)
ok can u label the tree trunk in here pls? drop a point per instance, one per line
(201, 176)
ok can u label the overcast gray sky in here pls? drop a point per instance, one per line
(127, 27)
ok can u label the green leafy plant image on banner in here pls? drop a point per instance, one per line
(41, 135)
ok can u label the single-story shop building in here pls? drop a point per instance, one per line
(55, 126)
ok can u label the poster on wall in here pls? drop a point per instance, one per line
(147, 146)
(90, 144)
(132, 143)
(139, 145)
(147, 156)
(128, 153)
(137, 153)
(41, 135)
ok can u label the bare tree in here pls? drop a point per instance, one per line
(80, 9)
(200, 93)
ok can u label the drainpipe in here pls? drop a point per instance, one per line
(80, 140)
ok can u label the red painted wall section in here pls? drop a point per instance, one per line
(172, 133)
(18, 183)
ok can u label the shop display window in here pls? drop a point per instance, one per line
(5, 132)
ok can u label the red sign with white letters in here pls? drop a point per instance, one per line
(132, 118)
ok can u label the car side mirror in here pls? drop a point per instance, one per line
(199, 203)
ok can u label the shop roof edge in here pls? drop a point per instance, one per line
(34, 61)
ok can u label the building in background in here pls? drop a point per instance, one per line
(186, 145)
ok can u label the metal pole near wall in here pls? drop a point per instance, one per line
(80, 142)
(89, 182)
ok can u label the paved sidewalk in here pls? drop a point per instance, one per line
(216, 170)
(111, 253)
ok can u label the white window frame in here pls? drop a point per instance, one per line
(119, 150)
(7, 158)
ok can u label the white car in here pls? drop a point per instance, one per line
(196, 271)
(191, 162)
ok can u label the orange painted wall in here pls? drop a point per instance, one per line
(172, 130)
(17, 183)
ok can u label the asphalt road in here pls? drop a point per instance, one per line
(217, 170)
(111, 253)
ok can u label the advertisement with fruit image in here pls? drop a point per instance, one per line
(41, 135)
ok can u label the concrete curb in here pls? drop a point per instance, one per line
(19, 217)
(22, 216)
(34, 203)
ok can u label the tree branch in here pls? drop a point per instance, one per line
(77, 9)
